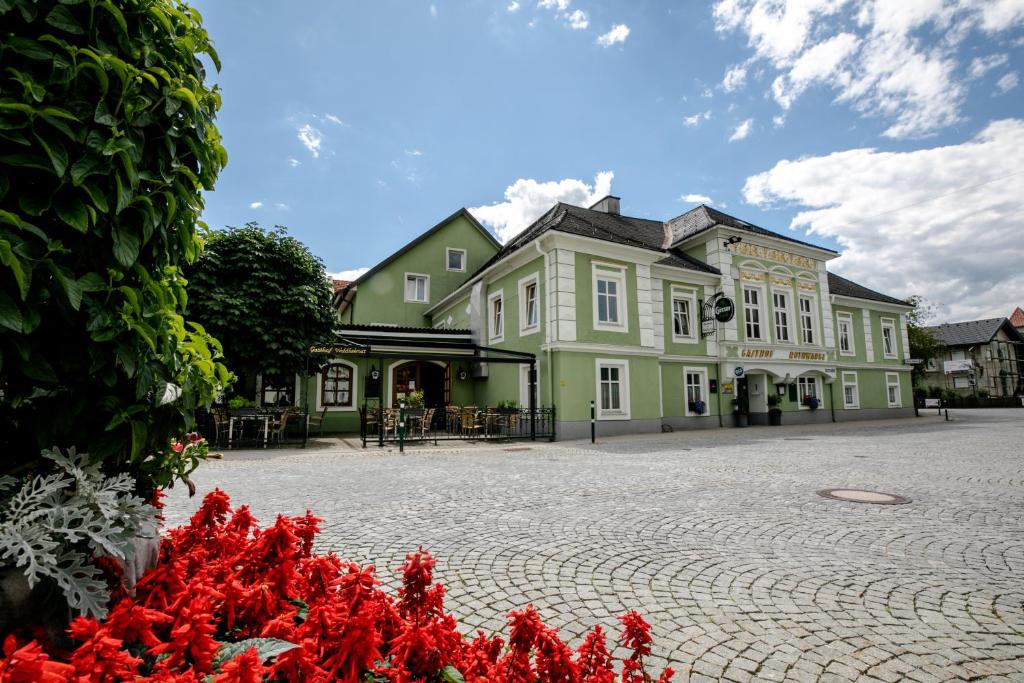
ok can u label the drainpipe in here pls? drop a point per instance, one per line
(832, 398)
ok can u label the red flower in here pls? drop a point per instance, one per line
(100, 658)
(245, 668)
(636, 635)
(177, 447)
(29, 664)
(594, 660)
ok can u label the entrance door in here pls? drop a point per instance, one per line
(743, 395)
(419, 376)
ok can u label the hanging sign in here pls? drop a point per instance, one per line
(725, 309)
(719, 308)
(338, 350)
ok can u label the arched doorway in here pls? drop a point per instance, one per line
(420, 375)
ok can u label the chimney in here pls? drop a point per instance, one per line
(609, 204)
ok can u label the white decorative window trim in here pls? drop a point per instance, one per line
(763, 321)
(815, 326)
(788, 310)
(850, 380)
(816, 381)
(355, 388)
(892, 379)
(524, 328)
(846, 318)
(617, 274)
(688, 294)
(889, 324)
(623, 412)
(496, 336)
(447, 259)
(426, 288)
(704, 393)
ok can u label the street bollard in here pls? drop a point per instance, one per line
(401, 427)
(593, 424)
(947, 414)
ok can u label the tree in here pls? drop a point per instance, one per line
(923, 344)
(106, 142)
(265, 296)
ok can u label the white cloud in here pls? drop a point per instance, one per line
(694, 120)
(879, 56)
(526, 200)
(1007, 83)
(413, 153)
(348, 275)
(734, 77)
(982, 65)
(281, 205)
(742, 130)
(944, 222)
(779, 120)
(695, 199)
(433, 10)
(311, 139)
(578, 20)
(334, 119)
(513, 6)
(256, 205)
(617, 34)
(293, 162)
(560, 5)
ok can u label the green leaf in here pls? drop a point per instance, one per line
(87, 166)
(92, 282)
(116, 13)
(26, 161)
(58, 155)
(139, 431)
(72, 290)
(10, 259)
(62, 18)
(126, 246)
(186, 96)
(27, 48)
(10, 314)
(58, 113)
(450, 674)
(72, 211)
(267, 648)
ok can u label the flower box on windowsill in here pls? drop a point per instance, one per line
(811, 402)
(698, 407)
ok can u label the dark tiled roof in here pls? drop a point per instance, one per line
(680, 260)
(701, 218)
(1017, 317)
(342, 329)
(972, 331)
(843, 287)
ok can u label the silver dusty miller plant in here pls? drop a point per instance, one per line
(56, 523)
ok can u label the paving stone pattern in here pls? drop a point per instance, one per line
(717, 537)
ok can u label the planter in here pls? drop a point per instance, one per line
(775, 417)
(742, 419)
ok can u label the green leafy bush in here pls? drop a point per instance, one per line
(106, 142)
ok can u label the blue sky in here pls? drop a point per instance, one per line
(360, 124)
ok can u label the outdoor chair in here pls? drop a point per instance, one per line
(470, 420)
(391, 422)
(315, 421)
(453, 419)
(280, 425)
(425, 422)
(221, 421)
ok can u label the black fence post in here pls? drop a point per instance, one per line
(593, 423)
(401, 427)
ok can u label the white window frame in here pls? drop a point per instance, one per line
(426, 288)
(703, 372)
(447, 259)
(760, 308)
(623, 412)
(355, 388)
(850, 380)
(690, 296)
(617, 274)
(524, 327)
(892, 379)
(788, 311)
(889, 324)
(813, 300)
(816, 381)
(846, 318)
(496, 336)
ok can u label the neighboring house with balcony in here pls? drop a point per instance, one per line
(979, 356)
(611, 309)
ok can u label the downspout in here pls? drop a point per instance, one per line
(832, 398)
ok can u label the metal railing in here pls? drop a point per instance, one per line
(409, 425)
(961, 402)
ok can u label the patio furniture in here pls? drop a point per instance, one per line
(471, 423)
(280, 424)
(453, 419)
(425, 422)
(316, 421)
(221, 420)
(391, 422)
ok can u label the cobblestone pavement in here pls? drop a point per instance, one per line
(718, 537)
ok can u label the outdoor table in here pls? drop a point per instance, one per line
(241, 418)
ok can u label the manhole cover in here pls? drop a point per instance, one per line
(860, 496)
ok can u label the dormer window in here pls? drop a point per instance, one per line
(417, 288)
(455, 260)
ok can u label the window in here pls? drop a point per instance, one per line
(609, 298)
(696, 385)
(807, 388)
(529, 305)
(684, 307)
(496, 316)
(336, 390)
(807, 320)
(612, 390)
(845, 321)
(455, 259)
(888, 338)
(752, 313)
(276, 391)
(892, 389)
(417, 288)
(780, 301)
(851, 393)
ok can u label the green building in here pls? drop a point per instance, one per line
(619, 311)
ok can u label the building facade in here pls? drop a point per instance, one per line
(980, 357)
(589, 305)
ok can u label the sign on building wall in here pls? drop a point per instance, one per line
(957, 366)
(719, 309)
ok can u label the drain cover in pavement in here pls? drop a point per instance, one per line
(860, 496)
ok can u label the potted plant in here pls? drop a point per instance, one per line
(774, 411)
(739, 415)
(698, 407)
(811, 402)
(414, 402)
(507, 407)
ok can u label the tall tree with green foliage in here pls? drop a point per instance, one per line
(923, 344)
(266, 297)
(107, 140)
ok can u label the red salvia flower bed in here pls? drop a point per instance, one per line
(232, 603)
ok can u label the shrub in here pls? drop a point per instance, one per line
(106, 142)
(229, 603)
